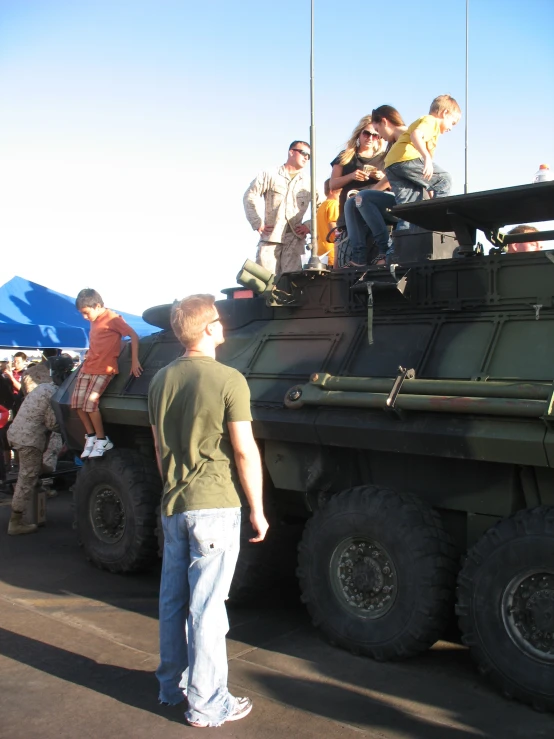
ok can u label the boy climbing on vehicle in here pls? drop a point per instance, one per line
(100, 365)
(409, 164)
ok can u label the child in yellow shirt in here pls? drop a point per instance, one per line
(327, 216)
(409, 163)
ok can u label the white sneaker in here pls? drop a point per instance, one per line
(242, 708)
(100, 446)
(89, 443)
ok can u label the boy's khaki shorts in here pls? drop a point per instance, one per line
(87, 391)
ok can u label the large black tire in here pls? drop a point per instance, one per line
(505, 606)
(115, 505)
(377, 573)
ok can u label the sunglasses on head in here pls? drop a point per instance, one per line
(304, 153)
(371, 133)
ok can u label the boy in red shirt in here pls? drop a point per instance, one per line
(106, 331)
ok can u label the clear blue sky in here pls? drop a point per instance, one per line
(131, 128)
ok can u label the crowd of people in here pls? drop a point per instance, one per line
(383, 163)
(199, 409)
(201, 422)
(29, 433)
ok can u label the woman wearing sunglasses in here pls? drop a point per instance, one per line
(360, 164)
(364, 213)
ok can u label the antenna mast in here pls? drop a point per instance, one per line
(313, 244)
(467, 88)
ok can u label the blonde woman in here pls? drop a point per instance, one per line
(360, 165)
(365, 214)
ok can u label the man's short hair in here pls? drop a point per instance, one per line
(190, 316)
(524, 229)
(327, 187)
(88, 298)
(444, 103)
(22, 355)
(295, 143)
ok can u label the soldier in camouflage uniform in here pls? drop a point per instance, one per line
(33, 427)
(34, 375)
(275, 204)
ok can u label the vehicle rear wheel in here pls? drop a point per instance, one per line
(115, 502)
(505, 605)
(377, 573)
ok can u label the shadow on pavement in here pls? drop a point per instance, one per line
(345, 705)
(135, 688)
(438, 694)
(63, 567)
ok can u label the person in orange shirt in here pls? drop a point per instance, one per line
(106, 331)
(327, 217)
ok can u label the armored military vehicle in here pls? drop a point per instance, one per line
(406, 417)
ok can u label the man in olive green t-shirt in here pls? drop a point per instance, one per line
(200, 415)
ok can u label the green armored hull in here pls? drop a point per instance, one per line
(405, 421)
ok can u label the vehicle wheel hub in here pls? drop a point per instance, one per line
(107, 514)
(528, 611)
(363, 577)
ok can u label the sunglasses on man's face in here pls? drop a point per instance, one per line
(304, 153)
(371, 133)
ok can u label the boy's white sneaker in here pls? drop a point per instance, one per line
(89, 443)
(100, 446)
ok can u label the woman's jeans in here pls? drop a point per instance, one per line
(200, 554)
(407, 183)
(364, 214)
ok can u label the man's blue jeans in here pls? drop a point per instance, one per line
(200, 554)
(407, 183)
(363, 214)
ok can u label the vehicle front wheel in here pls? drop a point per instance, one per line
(115, 505)
(377, 572)
(505, 605)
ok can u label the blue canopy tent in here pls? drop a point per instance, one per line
(33, 316)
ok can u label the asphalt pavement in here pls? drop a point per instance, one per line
(78, 650)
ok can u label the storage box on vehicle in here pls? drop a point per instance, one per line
(416, 244)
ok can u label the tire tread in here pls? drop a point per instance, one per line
(417, 519)
(142, 481)
(526, 522)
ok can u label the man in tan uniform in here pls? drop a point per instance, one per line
(275, 204)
